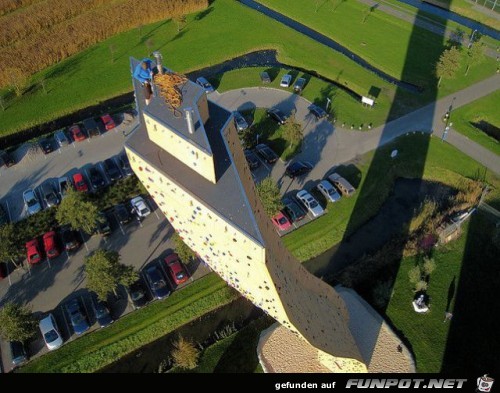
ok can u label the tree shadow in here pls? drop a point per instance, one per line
(203, 13)
(273, 72)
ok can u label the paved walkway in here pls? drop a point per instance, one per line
(323, 139)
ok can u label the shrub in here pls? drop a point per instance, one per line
(429, 266)
(415, 275)
(421, 286)
(185, 354)
(426, 210)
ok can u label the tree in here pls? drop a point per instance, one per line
(17, 79)
(17, 323)
(182, 249)
(292, 131)
(448, 64)
(9, 248)
(421, 286)
(77, 212)
(105, 272)
(185, 354)
(269, 195)
(414, 274)
(428, 267)
(180, 20)
(475, 54)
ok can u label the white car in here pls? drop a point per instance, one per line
(50, 332)
(286, 80)
(205, 84)
(310, 203)
(329, 191)
(140, 207)
(31, 202)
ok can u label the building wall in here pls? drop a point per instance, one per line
(179, 147)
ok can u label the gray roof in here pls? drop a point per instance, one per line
(162, 112)
(227, 196)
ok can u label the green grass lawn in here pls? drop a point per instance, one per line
(91, 352)
(486, 109)
(391, 44)
(467, 267)
(443, 163)
(91, 77)
(234, 354)
(344, 107)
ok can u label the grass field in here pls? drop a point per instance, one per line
(442, 163)
(234, 354)
(91, 77)
(93, 351)
(463, 283)
(486, 109)
(391, 44)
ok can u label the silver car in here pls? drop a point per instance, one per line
(310, 203)
(61, 138)
(31, 202)
(329, 191)
(49, 195)
(50, 332)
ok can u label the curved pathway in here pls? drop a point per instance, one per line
(326, 145)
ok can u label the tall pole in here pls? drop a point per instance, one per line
(471, 39)
(327, 104)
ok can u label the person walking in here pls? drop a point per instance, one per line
(143, 72)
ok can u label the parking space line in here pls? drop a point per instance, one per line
(8, 210)
(86, 309)
(121, 228)
(48, 261)
(101, 167)
(66, 324)
(8, 273)
(153, 297)
(84, 242)
(140, 222)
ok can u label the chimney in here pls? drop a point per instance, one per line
(159, 61)
(189, 120)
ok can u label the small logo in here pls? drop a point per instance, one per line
(484, 383)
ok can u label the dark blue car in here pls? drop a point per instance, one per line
(101, 312)
(157, 282)
(77, 316)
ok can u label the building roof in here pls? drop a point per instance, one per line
(223, 197)
(161, 111)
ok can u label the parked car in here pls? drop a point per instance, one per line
(96, 178)
(111, 169)
(31, 202)
(80, 183)
(281, 222)
(157, 282)
(92, 127)
(253, 161)
(61, 138)
(18, 353)
(264, 77)
(122, 214)
(137, 294)
(102, 226)
(342, 184)
(33, 252)
(45, 146)
(266, 153)
(329, 191)
(50, 245)
(292, 210)
(140, 207)
(286, 80)
(239, 120)
(4, 219)
(125, 165)
(50, 332)
(277, 115)
(63, 186)
(299, 85)
(310, 203)
(69, 239)
(176, 269)
(202, 81)
(317, 111)
(77, 133)
(298, 168)
(77, 315)
(6, 159)
(101, 312)
(108, 121)
(49, 194)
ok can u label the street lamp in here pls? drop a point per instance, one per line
(327, 103)
(471, 38)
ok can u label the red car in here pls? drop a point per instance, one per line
(50, 245)
(108, 121)
(281, 222)
(80, 183)
(76, 133)
(33, 252)
(176, 268)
